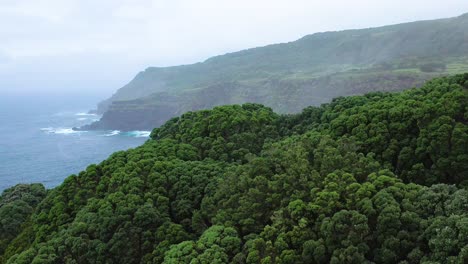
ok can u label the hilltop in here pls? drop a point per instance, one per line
(291, 76)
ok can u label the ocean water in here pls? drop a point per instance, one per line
(37, 143)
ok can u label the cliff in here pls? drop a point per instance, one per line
(290, 76)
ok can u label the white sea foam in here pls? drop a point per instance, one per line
(112, 133)
(139, 133)
(85, 114)
(60, 130)
(82, 118)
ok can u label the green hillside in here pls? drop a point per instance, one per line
(291, 76)
(378, 178)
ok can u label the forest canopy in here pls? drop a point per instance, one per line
(378, 178)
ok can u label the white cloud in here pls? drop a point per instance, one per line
(50, 10)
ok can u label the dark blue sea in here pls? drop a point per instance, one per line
(37, 143)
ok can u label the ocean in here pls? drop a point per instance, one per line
(38, 145)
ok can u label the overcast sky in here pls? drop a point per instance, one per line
(97, 46)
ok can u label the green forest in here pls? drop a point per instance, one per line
(377, 178)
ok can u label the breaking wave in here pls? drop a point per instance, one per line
(60, 130)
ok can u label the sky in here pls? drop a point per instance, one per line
(97, 46)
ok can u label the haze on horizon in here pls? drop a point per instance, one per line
(95, 47)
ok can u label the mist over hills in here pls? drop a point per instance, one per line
(290, 76)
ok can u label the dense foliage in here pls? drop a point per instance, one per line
(16, 206)
(380, 178)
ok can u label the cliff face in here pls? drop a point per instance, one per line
(284, 96)
(134, 115)
(133, 119)
(290, 76)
